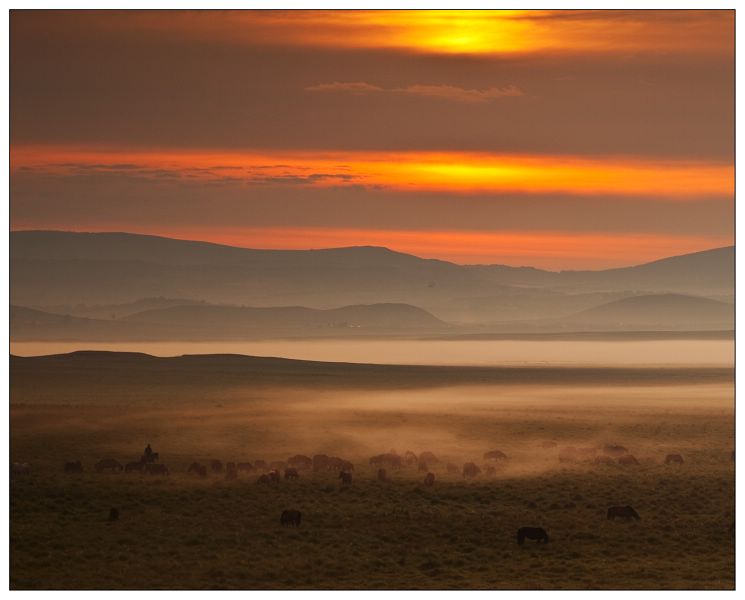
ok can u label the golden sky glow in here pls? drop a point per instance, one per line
(451, 31)
(409, 171)
(424, 131)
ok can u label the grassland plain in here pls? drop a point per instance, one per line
(184, 533)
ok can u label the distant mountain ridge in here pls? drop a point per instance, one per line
(64, 269)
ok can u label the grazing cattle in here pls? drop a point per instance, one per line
(291, 473)
(260, 465)
(216, 466)
(490, 470)
(108, 464)
(495, 455)
(134, 466)
(604, 460)
(470, 470)
(452, 468)
(263, 479)
(274, 476)
(674, 458)
(429, 479)
(196, 469)
(614, 450)
(231, 471)
(245, 467)
(628, 459)
(548, 445)
(299, 461)
(114, 514)
(410, 458)
(74, 467)
(532, 533)
(622, 512)
(20, 468)
(290, 518)
(428, 457)
(382, 475)
(346, 478)
(156, 469)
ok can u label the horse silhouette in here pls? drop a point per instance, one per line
(108, 464)
(197, 469)
(532, 533)
(300, 461)
(622, 512)
(495, 455)
(291, 473)
(291, 518)
(74, 467)
(346, 478)
(470, 470)
(156, 469)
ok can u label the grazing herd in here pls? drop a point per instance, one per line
(271, 473)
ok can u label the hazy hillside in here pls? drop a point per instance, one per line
(660, 311)
(211, 322)
(61, 270)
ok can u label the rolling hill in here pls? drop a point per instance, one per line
(53, 269)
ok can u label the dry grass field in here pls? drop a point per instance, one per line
(186, 533)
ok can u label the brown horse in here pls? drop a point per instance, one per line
(622, 512)
(156, 469)
(291, 473)
(674, 458)
(495, 455)
(108, 464)
(300, 461)
(346, 478)
(134, 466)
(532, 533)
(197, 469)
(74, 467)
(470, 470)
(291, 518)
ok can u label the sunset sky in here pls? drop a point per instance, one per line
(557, 139)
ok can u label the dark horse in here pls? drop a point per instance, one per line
(346, 478)
(622, 512)
(74, 467)
(674, 458)
(532, 533)
(291, 517)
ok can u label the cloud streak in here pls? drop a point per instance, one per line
(444, 92)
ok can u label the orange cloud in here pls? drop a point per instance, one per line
(455, 172)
